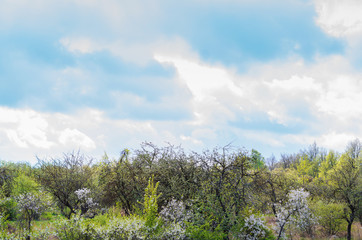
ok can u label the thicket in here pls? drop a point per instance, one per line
(166, 193)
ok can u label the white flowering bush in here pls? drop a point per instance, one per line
(133, 227)
(251, 225)
(124, 228)
(86, 203)
(294, 212)
(174, 231)
(30, 207)
(254, 228)
(175, 212)
(72, 229)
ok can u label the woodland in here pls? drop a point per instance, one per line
(167, 193)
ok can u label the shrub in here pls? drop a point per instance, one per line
(205, 231)
(330, 216)
(251, 226)
(175, 212)
(8, 208)
(150, 205)
(74, 229)
(254, 228)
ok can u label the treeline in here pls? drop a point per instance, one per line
(224, 193)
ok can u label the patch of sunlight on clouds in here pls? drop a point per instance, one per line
(190, 139)
(296, 83)
(203, 80)
(215, 94)
(336, 141)
(25, 128)
(343, 98)
(71, 137)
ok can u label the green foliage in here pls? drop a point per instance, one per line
(150, 205)
(257, 159)
(330, 216)
(328, 164)
(205, 231)
(75, 228)
(304, 168)
(345, 181)
(3, 226)
(8, 207)
(24, 184)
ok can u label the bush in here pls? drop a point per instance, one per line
(74, 229)
(252, 226)
(205, 231)
(8, 208)
(330, 216)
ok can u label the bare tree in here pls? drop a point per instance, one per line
(61, 177)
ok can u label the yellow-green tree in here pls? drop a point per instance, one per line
(304, 167)
(328, 164)
(345, 180)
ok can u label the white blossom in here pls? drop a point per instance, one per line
(86, 202)
(295, 211)
(254, 228)
(175, 212)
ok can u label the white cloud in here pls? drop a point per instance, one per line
(295, 83)
(212, 87)
(27, 131)
(321, 100)
(340, 18)
(336, 141)
(74, 137)
(25, 128)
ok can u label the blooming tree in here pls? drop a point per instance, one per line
(294, 211)
(86, 202)
(30, 206)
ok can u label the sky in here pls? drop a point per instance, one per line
(103, 75)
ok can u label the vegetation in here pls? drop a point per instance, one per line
(166, 193)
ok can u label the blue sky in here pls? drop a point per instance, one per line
(101, 76)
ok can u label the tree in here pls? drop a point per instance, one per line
(345, 181)
(228, 185)
(257, 159)
(61, 177)
(122, 181)
(276, 185)
(328, 163)
(30, 206)
(6, 179)
(304, 168)
(294, 210)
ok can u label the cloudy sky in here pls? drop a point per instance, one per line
(103, 75)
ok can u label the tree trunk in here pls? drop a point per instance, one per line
(350, 222)
(349, 230)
